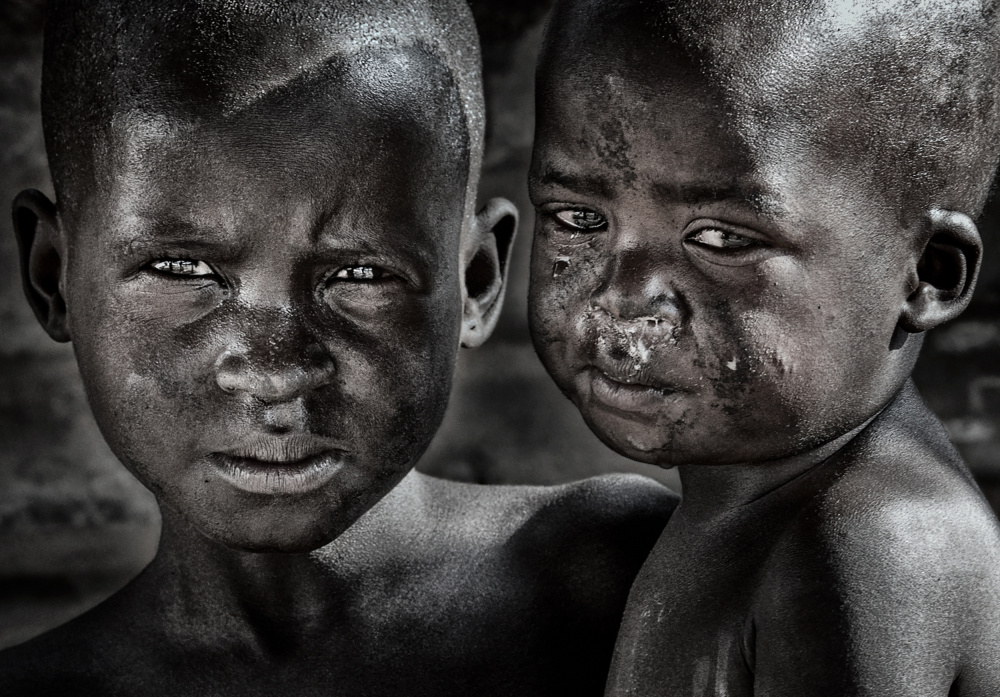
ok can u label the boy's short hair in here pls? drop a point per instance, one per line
(914, 83)
(105, 58)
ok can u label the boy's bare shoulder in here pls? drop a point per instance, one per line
(605, 510)
(890, 571)
(584, 539)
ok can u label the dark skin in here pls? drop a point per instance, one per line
(266, 305)
(750, 311)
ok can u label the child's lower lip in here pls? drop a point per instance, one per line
(632, 400)
(275, 478)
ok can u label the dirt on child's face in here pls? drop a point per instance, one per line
(702, 300)
(265, 304)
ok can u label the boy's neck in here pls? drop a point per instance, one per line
(713, 490)
(199, 581)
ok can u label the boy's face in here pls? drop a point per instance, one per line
(266, 305)
(699, 299)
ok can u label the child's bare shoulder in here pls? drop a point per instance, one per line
(606, 511)
(578, 546)
(563, 529)
(897, 557)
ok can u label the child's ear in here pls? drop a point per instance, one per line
(946, 272)
(41, 251)
(485, 274)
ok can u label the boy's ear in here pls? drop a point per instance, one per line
(946, 272)
(485, 274)
(41, 251)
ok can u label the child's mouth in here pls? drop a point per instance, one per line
(627, 396)
(279, 464)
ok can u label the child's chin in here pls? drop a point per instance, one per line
(287, 535)
(636, 441)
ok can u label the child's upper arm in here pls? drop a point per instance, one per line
(879, 598)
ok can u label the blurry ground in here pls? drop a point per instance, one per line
(74, 526)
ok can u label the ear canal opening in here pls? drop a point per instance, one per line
(480, 275)
(943, 266)
(503, 232)
(35, 261)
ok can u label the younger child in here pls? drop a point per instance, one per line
(265, 252)
(748, 214)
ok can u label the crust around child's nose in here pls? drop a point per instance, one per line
(643, 296)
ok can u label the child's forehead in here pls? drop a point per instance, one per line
(369, 145)
(382, 124)
(900, 93)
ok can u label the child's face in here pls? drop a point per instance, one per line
(266, 305)
(699, 299)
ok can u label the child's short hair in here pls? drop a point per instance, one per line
(102, 55)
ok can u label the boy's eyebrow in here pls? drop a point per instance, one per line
(150, 231)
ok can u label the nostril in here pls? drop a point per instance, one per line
(618, 352)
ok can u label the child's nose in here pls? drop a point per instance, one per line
(277, 368)
(638, 290)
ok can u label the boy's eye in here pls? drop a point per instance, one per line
(183, 267)
(582, 219)
(362, 273)
(721, 239)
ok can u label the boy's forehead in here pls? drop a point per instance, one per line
(382, 125)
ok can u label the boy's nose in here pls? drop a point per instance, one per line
(278, 371)
(638, 291)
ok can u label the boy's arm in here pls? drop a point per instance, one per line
(586, 547)
(899, 599)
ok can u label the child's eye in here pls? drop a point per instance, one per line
(183, 267)
(362, 273)
(721, 239)
(582, 219)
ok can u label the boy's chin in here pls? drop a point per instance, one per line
(272, 530)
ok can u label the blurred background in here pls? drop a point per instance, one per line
(75, 526)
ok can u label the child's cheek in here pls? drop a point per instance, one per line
(775, 347)
(566, 274)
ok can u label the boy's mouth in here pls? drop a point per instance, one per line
(274, 465)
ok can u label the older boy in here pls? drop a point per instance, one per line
(266, 255)
(748, 214)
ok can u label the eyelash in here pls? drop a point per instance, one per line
(581, 219)
(362, 273)
(739, 242)
(182, 267)
(585, 220)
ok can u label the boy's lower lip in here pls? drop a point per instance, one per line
(630, 400)
(276, 478)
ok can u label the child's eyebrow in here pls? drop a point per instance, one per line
(586, 185)
(147, 232)
(757, 198)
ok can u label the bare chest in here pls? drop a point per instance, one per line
(688, 627)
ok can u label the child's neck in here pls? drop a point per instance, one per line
(201, 582)
(710, 491)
